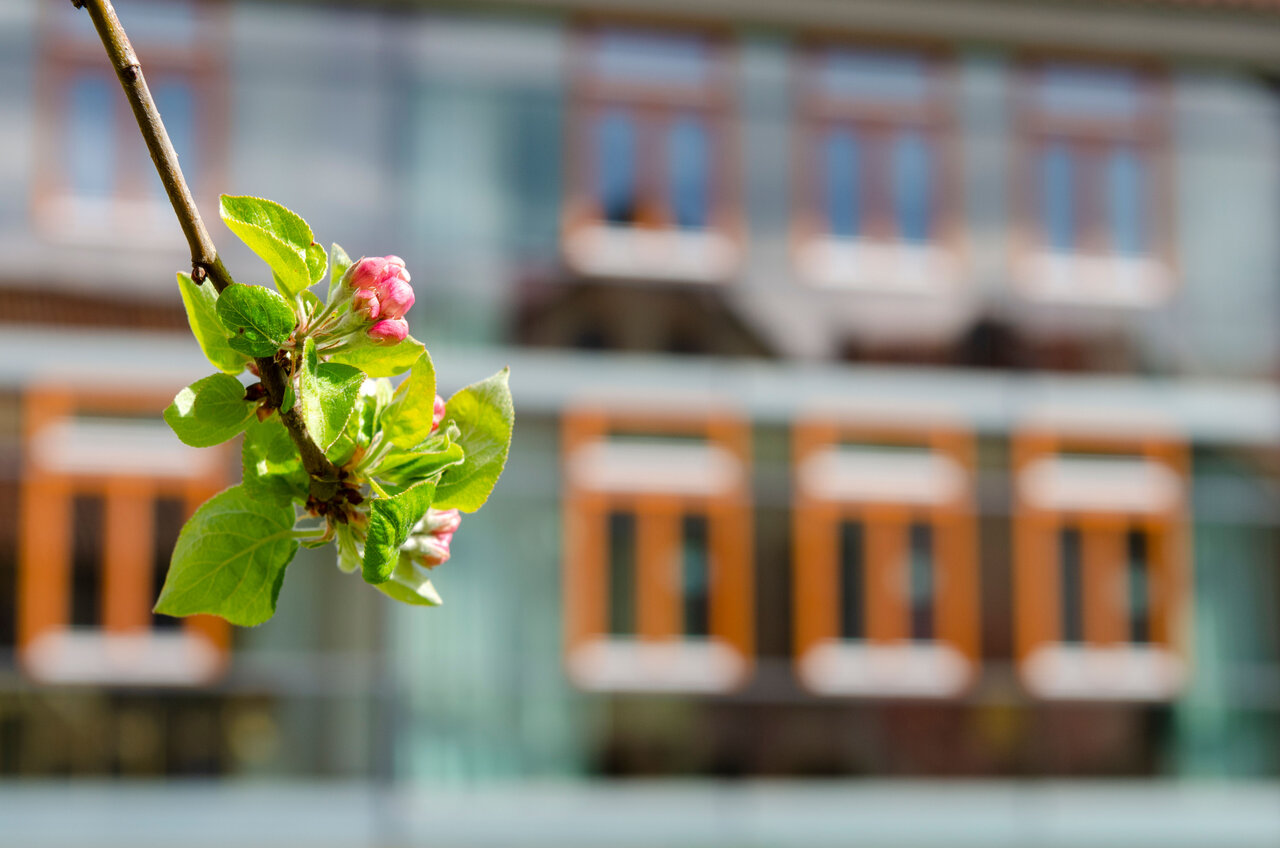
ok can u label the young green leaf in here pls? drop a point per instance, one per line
(317, 262)
(378, 361)
(339, 262)
(230, 559)
(201, 303)
(209, 411)
(271, 466)
(329, 395)
(485, 417)
(390, 522)
(407, 420)
(258, 319)
(278, 235)
(405, 468)
(410, 583)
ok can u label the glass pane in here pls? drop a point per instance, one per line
(912, 185)
(921, 575)
(696, 574)
(170, 513)
(651, 58)
(88, 539)
(854, 75)
(622, 574)
(1084, 92)
(1072, 585)
(1057, 198)
(90, 137)
(1139, 588)
(1125, 201)
(175, 101)
(842, 187)
(616, 163)
(852, 577)
(689, 155)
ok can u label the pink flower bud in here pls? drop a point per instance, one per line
(396, 296)
(371, 271)
(365, 304)
(434, 534)
(437, 414)
(389, 331)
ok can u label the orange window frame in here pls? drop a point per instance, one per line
(1149, 134)
(656, 105)
(818, 114)
(1104, 591)
(816, 539)
(200, 65)
(45, 553)
(658, 514)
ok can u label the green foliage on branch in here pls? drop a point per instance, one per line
(400, 461)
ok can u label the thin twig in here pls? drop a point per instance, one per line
(204, 256)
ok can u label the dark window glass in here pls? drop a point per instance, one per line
(652, 58)
(852, 581)
(696, 574)
(616, 163)
(689, 155)
(169, 517)
(1125, 206)
(90, 136)
(921, 576)
(622, 574)
(912, 185)
(1139, 588)
(87, 542)
(858, 76)
(841, 154)
(1070, 562)
(1057, 197)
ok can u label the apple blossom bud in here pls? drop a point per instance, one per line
(365, 304)
(395, 296)
(429, 543)
(437, 413)
(389, 331)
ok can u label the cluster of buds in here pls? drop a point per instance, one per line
(381, 295)
(428, 543)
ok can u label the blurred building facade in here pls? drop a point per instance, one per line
(895, 383)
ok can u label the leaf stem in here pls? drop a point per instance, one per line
(205, 261)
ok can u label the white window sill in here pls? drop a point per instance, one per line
(145, 658)
(1110, 673)
(620, 664)
(699, 256)
(898, 670)
(111, 222)
(1095, 280)
(889, 267)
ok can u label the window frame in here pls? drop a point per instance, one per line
(585, 231)
(817, 520)
(883, 254)
(45, 552)
(135, 206)
(648, 660)
(1158, 666)
(1093, 263)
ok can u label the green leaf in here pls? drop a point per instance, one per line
(419, 465)
(270, 463)
(339, 262)
(485, 417)
(390, 522)
(202, 304)
(258, 319)
(230, 559)
(408, 420)
(329, 395)
(317, 263)
(378, 361)
(278, 235)
(410, 583)
(209, 411)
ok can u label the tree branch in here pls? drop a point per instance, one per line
(205, 261)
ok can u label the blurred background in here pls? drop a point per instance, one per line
(896, 460)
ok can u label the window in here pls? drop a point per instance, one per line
(658, 551)
(876, 201)
(650, 157)
(1094, 194)
(95, 179)
(105, 489)
(1101, 577)
(885, 560)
